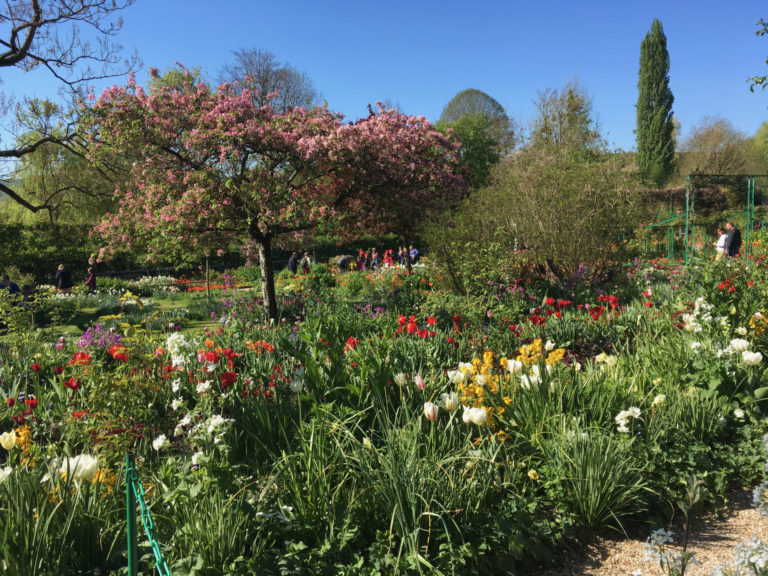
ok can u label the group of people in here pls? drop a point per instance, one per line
(24, 293)
(728, 241)
(294, 263)
(372, 260)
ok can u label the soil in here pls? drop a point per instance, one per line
(713, 539)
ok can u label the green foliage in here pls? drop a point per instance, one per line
(596, 475)
(760, 80)
(655, 142)
(479, 150)
(564, 121)
(588, 202)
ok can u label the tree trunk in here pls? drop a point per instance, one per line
(267, 277)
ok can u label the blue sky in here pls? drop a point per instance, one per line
(419, 54)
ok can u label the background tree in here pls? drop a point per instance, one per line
(406, 173)
(45, 34)
(474, 103)
(57, 177)
(214, 169)
(478, 152)
(279, 85)
(655, 144)
(714, 146)
(564, 120)
(562, 197)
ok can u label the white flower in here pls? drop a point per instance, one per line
(549, 346)
(296, 385)
(478, 416)
(622, 428)
(741, 331)
(4, 473)
(175, 385)
(81, 467)
(529, 380)
(455, 376)
(160, 442)
(739, 345)
(659, 400)
(751, 358)
(600, 358)
(738, 413)
(695, 345)
(203, 386)
(400, 379)
(634, 411)
(8, 440)
(514, 367)
(176, 403)
(430, 410)
(175, 345)
(465, 415)
(196, 458)
(450, 401)
(610, 361)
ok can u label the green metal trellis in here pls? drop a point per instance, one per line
(688, 219)
(134, 492)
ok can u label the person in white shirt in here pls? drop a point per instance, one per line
(720, 244)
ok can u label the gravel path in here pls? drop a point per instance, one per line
(713, 539)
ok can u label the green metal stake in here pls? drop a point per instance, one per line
(130, 505)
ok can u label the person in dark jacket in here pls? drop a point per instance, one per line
(63, 279)
(90, 282)
(6, 284)
(293, 263)
(732, 240)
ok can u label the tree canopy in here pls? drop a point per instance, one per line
(46, 34)
(655, 143)
(269, 81)
(214, 169)
(564, 120)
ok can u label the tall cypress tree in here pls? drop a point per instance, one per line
(655, 145)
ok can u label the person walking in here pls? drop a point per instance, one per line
(293, 263)
(306, 262)
(63, 279)
(90, 282)
(732, 240)
(722, 237)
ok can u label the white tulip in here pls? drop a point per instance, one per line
(450, 401)
(8, 440)
(81, 467)
(478, 416)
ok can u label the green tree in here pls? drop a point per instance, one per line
(655, 142)
(56, 178)
(714, 146)
(479, 152)
(52, 35)
(564, 120)
(472, 102)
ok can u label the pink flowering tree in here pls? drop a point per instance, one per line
(403, 171)
(208, 168)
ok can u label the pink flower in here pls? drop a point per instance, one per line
(419, 381)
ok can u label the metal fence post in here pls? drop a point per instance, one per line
(130, 505)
